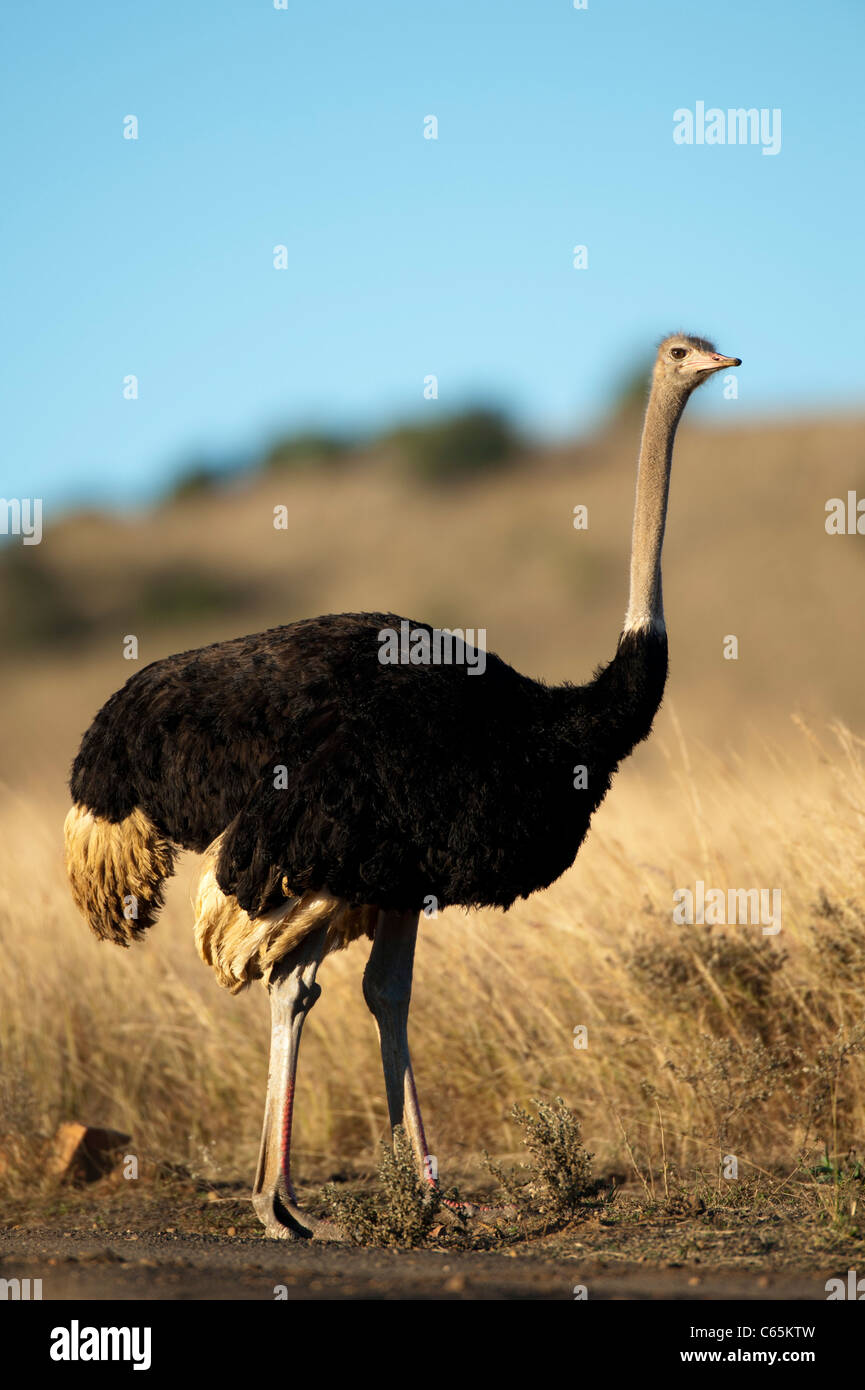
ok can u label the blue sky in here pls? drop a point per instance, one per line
(407, 256)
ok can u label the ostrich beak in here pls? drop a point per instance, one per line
(714, 361)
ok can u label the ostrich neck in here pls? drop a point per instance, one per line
(645, 603)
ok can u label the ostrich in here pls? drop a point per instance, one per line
(334, 795)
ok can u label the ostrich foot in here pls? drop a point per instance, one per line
(285, 1220)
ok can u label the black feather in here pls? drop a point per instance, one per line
(404, 782)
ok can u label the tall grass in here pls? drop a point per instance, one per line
(701, 1041)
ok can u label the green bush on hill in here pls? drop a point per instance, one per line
(460, 446)
(309, 449)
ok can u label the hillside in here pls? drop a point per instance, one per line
(747, 554)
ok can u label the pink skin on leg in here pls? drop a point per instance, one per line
(285, 1145)
(293, 992)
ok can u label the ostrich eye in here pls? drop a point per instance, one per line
(678, 352)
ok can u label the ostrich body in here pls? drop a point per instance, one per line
(335, 796)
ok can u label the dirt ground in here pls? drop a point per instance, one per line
(181, 1241)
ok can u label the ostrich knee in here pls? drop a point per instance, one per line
(303, 1000)
(387, 999)
(388, 975)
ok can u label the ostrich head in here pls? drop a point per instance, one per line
(684, 362)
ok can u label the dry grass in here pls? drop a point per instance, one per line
(702, 1041)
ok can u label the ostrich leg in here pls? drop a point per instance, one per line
(387, 991)
(293, 991)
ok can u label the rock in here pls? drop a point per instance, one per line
(84, 1153)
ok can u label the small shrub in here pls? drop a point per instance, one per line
(408, 1212)
(680, 973)
(559, 1179)
(732, 1079)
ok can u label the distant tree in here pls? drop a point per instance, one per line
(305, 450)
(459, 446)
(197, 481)
(204, 474)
